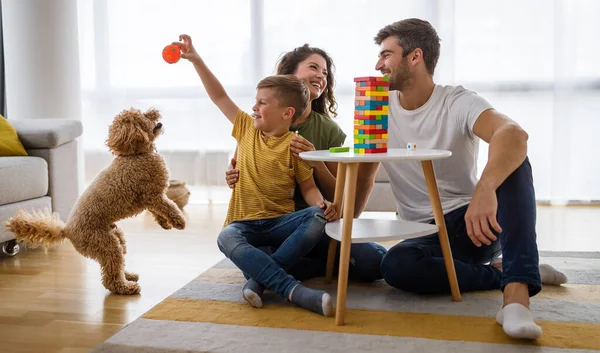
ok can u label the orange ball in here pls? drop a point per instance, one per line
(171, 54)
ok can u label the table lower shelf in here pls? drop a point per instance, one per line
(373, 230)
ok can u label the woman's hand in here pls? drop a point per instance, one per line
(300, 144)
(232, 175)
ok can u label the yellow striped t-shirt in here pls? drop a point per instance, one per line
(268, 173)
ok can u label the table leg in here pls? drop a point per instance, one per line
(438, 215)
(340, 181)
(348, 209)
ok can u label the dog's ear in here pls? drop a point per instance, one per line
(152, 114)
(127, 138)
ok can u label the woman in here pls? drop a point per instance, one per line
(317, 131)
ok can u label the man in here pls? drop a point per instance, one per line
(496, 212)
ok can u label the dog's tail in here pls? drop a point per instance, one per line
(37, 228)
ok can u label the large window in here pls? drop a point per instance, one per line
(534, 60)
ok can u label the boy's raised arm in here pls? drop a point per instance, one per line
(213, 87)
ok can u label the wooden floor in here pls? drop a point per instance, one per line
(53, 301)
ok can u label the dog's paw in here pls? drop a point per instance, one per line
(130, 276)
(178, 223)
(128, 288)
(163, 222)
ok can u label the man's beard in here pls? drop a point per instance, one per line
(399, 77)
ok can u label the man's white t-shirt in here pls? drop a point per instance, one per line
(445, 122)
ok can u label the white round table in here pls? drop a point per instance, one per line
(393, 154)
(348, 230)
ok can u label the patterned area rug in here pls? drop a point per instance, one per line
(210, 315)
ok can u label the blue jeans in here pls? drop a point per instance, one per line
(365, 261)
(294, 235)
(416, 265)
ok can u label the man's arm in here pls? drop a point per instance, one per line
(507, 147)
(364, 185)
(507, 151)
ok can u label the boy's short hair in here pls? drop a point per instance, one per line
(290, 91)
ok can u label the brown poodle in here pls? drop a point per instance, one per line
(135, 181)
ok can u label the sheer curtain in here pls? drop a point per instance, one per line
(534, 60)
(2, 80)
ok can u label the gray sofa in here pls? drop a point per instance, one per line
(46, 178)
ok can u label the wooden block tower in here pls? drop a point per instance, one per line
(371, 114)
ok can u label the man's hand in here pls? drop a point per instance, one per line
(481, 214)
(330, 214)
(232, 175)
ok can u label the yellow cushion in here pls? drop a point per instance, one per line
(10, 145)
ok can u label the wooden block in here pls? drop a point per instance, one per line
(365, 146)
(373, 141)
(366, 127)
(339, 149)
(371, 78)
(380, 81)
(369, 98)
(376, 150)
(376, 94)
(371, 88)
(374, 103)
(373, 112)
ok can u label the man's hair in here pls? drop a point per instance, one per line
(414, 33)
(290, 91)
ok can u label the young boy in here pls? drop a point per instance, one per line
(261, 209)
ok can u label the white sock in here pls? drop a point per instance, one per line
(552, 276)
(517, 321)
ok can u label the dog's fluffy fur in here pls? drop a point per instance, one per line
(135, 181)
